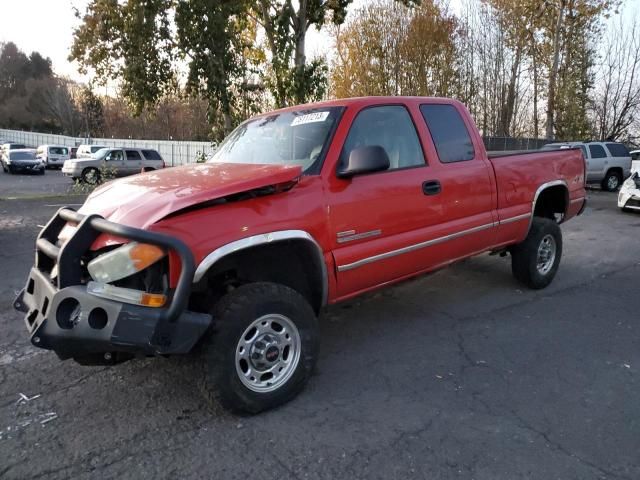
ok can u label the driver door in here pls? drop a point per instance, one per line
(115, 161)
(376, 216)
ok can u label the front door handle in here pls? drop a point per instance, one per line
(431, 187)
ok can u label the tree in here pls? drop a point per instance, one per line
(391, 49)
(92, 111)
(135, 43)
(565, 24)
(617, 101)
(292, 78)
(211, 36)
(129, 42)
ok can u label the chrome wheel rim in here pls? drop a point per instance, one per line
(546, 254)
(613, 182)
(268, 353)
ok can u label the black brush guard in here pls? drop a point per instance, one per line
(62, 316)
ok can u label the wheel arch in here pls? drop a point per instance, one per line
(295, 252)
(617, 169)
(551, 199)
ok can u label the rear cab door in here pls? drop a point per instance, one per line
(469, 193)
(598, 162)
(133, 162)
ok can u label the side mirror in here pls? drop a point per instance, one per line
(367, 159)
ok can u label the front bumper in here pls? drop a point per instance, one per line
(62, 316)
(26, 167)
(629, 198)
(71, 171)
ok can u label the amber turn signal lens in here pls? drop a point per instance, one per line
(155, 300)
(143, 255)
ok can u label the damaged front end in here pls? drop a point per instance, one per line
(629, 195)
(107, 306)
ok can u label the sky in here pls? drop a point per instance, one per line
(46, 26)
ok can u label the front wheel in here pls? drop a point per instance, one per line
(262, 350)
(535, 261)
(91, 175)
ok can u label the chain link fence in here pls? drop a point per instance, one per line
(511, 144)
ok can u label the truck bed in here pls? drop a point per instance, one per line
(519, 176)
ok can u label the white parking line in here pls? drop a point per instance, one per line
(65, 205)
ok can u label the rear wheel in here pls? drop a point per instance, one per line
(612, 181)
(263, 348)
(535, 261)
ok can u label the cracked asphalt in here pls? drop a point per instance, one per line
(462, 374)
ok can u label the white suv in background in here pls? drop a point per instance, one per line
(122, 161)
(608, 163)
(53, 156)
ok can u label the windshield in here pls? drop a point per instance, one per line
(101, 153)
(22, 156)
(289, 138)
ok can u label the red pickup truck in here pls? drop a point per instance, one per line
(299, 208)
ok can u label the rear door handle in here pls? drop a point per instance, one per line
(431, 187)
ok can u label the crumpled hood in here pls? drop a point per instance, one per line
(141, 200)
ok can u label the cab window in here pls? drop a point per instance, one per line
(449, 133)
(389, 127)
(115, 155)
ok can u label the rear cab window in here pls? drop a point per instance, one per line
(449, 133)
(617, 150)
(597, 151)
(133, 155)
(151, 155)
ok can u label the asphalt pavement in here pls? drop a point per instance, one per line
(459, 375)
(24, 185)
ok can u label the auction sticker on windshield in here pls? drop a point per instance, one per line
(310, 118)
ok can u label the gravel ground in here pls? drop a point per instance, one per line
(462, 374)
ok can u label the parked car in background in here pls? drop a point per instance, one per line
(123, 161)
(53, 156)
(635, 160)
(608, 163)
(629, 196)
(22, 160)
(10, 146)
(298, 208)
(87, 151)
